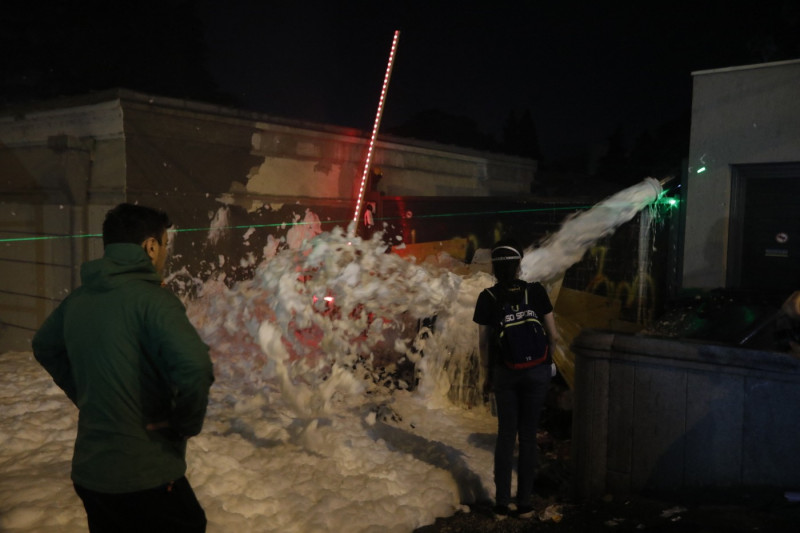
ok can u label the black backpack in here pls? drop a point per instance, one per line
(521, 336)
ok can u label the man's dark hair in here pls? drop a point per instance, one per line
(134, 224)
(506, 255)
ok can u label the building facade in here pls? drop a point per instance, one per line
(742, 191)
(64, 164)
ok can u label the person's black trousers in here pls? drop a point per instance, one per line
(169, 508)
(520, 396)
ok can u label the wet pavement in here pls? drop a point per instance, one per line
(766, 511)
(704, 511)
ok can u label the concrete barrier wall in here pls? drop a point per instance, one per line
(668, 415)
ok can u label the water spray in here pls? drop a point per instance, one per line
(567, 246)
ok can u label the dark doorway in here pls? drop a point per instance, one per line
(764, 242)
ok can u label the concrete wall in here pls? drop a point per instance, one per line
(63, 164)
(60, 170)
(669, 415)
(739, 116)
(207, 149)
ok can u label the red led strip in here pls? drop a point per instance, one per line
(372, 138)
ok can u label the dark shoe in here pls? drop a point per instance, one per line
(500, 512)
(525, 511)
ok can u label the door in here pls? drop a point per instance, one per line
(764, 252)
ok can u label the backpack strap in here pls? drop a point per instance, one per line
(499, 290)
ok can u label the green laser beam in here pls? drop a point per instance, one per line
(303, 223)
(50, 237)
(501, 212)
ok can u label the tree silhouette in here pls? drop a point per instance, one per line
(68, 48)
(615, 165)
(520, 136)
(439, 126)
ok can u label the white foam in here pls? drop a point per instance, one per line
(302, 432)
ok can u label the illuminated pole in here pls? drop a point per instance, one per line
(371, 146)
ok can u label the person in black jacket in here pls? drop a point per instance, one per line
(519, 393)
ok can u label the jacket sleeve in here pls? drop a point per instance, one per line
(185, 362)
(50, 351)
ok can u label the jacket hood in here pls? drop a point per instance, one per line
(121, 262)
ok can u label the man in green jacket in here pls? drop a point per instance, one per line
(123, 350)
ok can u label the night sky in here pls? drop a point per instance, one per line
(582, 69)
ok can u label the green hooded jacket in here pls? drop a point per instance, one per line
(123, 350)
